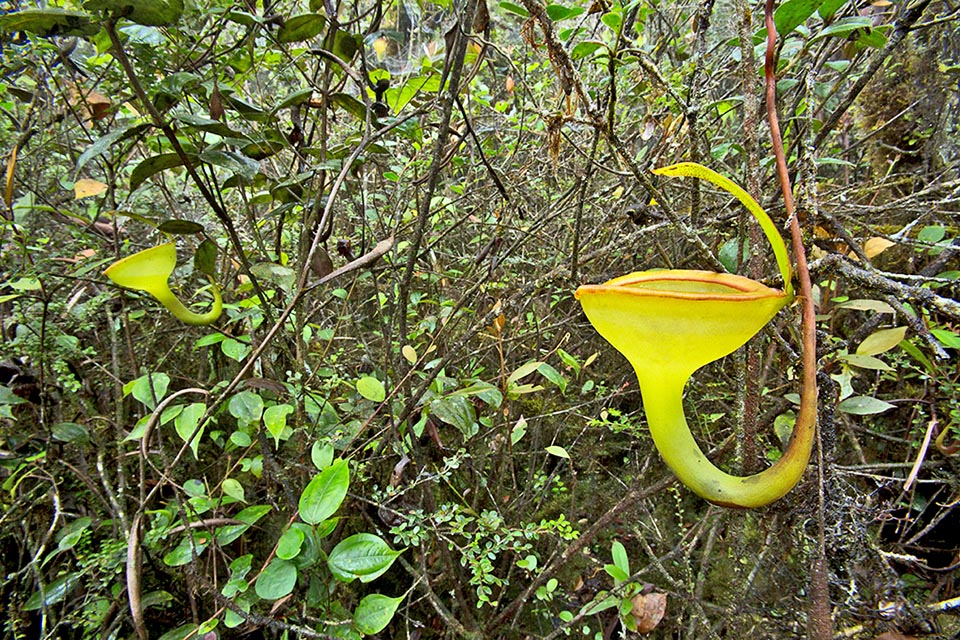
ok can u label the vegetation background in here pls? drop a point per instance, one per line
(402, 425)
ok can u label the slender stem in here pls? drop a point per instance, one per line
(819, 624)
(807, 417)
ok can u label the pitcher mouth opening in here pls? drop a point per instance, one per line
(683, 285)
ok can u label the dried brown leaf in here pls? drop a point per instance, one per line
(648, 610)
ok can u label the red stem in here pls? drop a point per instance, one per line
(809, 333)
(819, 623)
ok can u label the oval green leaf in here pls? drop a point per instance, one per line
(290, 543)
(180, 227)
(152, 13)
(374, 613)
(54, 592)
(864, 405)
(325, 493)
(277, 580)
(371, 389)
(302, 27)
(275, 419)
(151, 166)
(49, 22)
(234, 489)
(881, 341)
(362, 555)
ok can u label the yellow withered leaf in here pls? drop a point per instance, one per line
(876, 246)
(85, 188)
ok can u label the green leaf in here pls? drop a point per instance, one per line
(866, 305)
(601, 602)
(236, 163)
(235, 349)
(153, 13)
(351, 105)
(251, 515)
(523, 371)
(374, 613)
(183, 553)
(205, 261)
(180, 227)
(585, 49)
(275, 419)
(829, 8)
(483, 390)
(277, 580)
(932, 233)
(180, 633)
(72, 533)
(282, 276)
(310, 549)
(362, 555)
(289, 544)
(194, 122)
(321, 454)
(569, 360)
(25, 284)
(793, 13)
(515, 9)
(881, 341)
(49, 22)
(71, 432)
(186, 423)
(371, 389)
(345, 44)
(620, 558)
(325, 493)
(399, 98)
(141, 388)
(864, 406)
(246, 407)
(103, 143)
(263, 148)
(558, 12)
(728, 254)
(457, 411)
(615, 572)
(519, 430)
(865, 362)
(246, 110)
(947, 338)
(554, 376)
(53, 592)
(152, 166)
(301, 27)
(612, 19)
(8, 397)
(297, 97)
(558, 451)
(234, 489)
(915, 353)
(858, 28)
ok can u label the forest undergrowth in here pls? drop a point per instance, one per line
(402, 424)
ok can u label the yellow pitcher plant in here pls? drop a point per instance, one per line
(150, 271)
(669, 323)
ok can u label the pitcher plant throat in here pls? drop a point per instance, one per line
(670, 323)
(150, 271)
